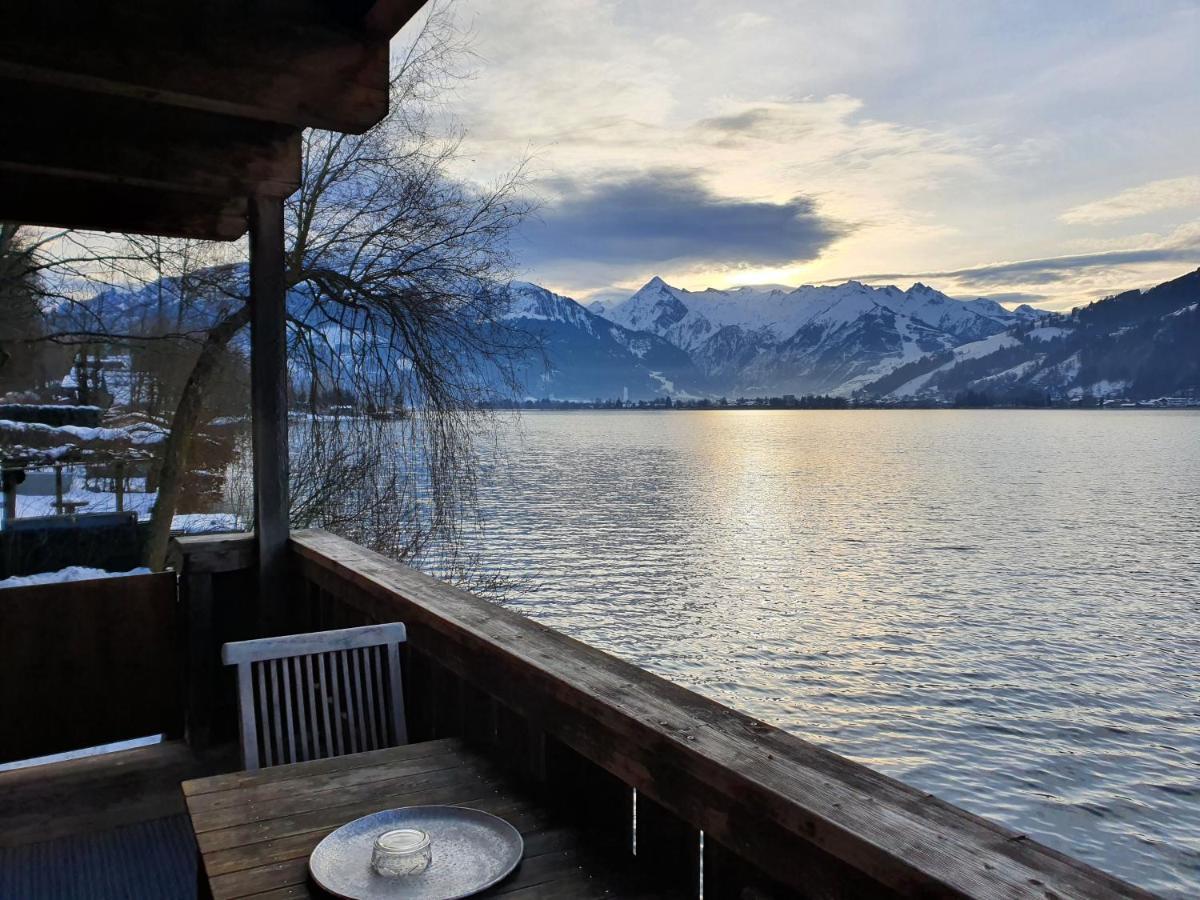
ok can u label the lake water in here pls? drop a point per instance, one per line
(1000, 607)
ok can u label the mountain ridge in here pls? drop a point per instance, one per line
(887, 344)
(878, 344)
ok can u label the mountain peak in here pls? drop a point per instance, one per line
(655, 283)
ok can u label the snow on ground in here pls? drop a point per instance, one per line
(1015, 372)
(1048, 333)
(205, 523)
(1067, 370)
(910, 388)
(1107, 388)
(89, 502)
(973, 350)
(141, 502)
(979, 349)
(137, 433)
(668, 386)
(70, 573)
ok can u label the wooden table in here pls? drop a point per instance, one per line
(255, 830)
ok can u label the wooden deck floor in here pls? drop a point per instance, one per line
(111, 826)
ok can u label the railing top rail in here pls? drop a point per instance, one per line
(748, 784)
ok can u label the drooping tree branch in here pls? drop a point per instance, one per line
(396, 316)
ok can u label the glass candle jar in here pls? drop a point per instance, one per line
(404, 851)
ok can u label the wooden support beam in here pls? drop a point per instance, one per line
(268, 403)
(66, 202)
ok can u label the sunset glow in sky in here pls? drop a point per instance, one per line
(1031, 152)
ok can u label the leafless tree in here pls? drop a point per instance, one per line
(396, 310)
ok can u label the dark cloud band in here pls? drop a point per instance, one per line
(667, 216)
(1049, 270)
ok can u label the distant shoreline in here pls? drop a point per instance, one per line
(848, 406)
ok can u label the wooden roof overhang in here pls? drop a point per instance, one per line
(184, 118)
(166, 117)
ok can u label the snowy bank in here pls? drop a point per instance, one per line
(70, 573)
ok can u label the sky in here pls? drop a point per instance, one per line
(1030, 152)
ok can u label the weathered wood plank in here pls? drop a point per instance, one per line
(285, 776)
(210, 825)
(212, 553)
(186, 150)
(285, 792)
(751, 786)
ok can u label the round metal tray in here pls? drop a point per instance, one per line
(472, 850)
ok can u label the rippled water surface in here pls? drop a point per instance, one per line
(1000, 607)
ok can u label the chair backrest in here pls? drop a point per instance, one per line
(310, 696)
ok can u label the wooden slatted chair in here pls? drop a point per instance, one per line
(311, 696)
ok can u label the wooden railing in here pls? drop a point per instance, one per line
(778, 817)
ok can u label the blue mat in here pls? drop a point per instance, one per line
(155, 859)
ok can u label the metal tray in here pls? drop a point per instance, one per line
(472, 850)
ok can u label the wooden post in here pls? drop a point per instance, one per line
(119, 483)
(58, 489)
(11, 478)
(268, 404)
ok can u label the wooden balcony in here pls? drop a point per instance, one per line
(691, 793)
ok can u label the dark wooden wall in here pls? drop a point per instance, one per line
(87, 663)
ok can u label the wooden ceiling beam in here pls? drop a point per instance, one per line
(163, 118)
(299, 76)
(67, 202)
(108, 140)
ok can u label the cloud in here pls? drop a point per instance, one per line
(948, 133)
(669, 215)
(1060, 268)
(1016, 298)
(1180, 246)
(1154, 196)
(747, 120)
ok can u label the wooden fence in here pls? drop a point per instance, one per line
(88, 663)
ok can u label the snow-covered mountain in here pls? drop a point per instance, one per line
(583, 356)
(811, 339)
(847, 339)
(1137, 345)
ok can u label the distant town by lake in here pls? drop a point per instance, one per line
(968, 400)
